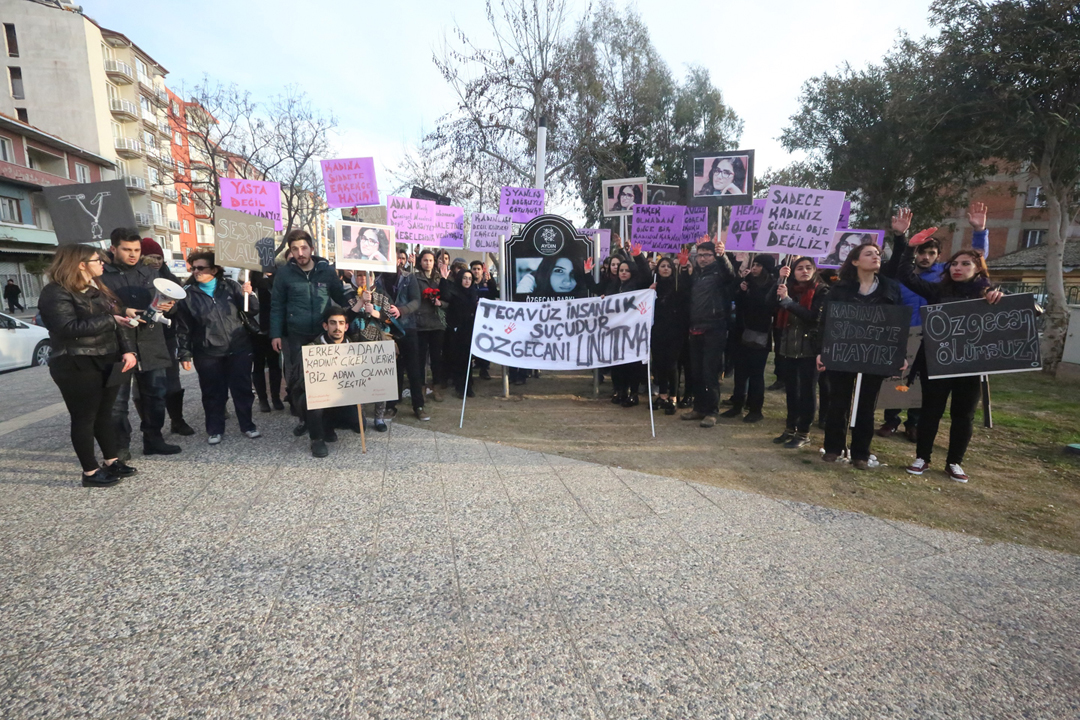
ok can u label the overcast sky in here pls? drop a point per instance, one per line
(370, 62)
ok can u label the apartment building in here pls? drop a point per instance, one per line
(31, 160)
(97, 89)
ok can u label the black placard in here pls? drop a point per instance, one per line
(663, 195)
(546, 261)
(974, 337)
(88, 212)
(422, 194)
(868, 339)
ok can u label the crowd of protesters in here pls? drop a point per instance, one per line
(717, 316)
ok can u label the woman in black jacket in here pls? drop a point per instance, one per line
(627, 378)
(965, 278)
(430, 322)
(669, 331)
(754, 303)
(800, 297)
(859, 283)
(460, 317)
(263, 357)
(211, 331)
(90, 350)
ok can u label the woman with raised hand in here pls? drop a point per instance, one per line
(212, 334)
(670, 327)
(627, 378)
(754, 303)
(800, 296)
(90, 349)
(861, 283)
(965, 278)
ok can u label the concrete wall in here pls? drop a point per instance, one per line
(58, 79)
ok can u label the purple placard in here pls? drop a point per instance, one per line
(845, 240)
(601, 236)
(657, 228)
(485, 229)
(522, 204)
(350, 182)
(414, 219)
(845, 216)
(799, 221)
(254, 197)
(743, 226)
(449, 226)
(695, 224)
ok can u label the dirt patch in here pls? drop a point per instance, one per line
(1023, 487)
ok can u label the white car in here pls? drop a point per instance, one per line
(22, 344)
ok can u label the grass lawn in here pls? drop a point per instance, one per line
(1023, 487)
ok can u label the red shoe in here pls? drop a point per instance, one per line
(956, 472)
(918, 467)
(886, 430)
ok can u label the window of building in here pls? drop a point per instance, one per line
(143, 71)
(15, 75)
(159, 216)
(1034, 237)
(1035, 197)
(154, 177)
(10, 210)
(21, 114)
(185, 197)
(144, 103)
(12, 41)
(122, 167)
(82, 173)
(187, 226)
(174, 107)
(162, 242)
(178, 138)
(180, 167)
(7, 150)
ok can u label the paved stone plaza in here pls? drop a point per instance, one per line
(443, 577)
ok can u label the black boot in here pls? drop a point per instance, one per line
(174, 403)
(669, 407)
(156, 445)
(734, 411)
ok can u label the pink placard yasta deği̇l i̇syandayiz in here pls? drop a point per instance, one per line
(522, 204)
(350, 182)
(254, 197)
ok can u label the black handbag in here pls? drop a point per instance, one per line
(755, 339)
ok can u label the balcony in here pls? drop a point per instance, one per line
(127, 147)
(124, 109)
(174, 225)
(143, 220)
(170, 194)
(163, 127)
(160, 222)
(135, 183)
(149, 117)
(119, 72)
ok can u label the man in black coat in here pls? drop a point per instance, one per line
(488, 289)
(712, 286)
(11, 295)
(133, 283)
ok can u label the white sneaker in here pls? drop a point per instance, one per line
(918, 467)
(406, 393)
(956, 472)
(253, 434)
(214, 439)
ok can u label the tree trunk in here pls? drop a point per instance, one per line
(1057, 312)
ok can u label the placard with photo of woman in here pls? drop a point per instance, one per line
(620, 196)
(844, 241)
(720, 178)
(365, 246)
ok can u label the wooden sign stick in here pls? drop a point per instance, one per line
(363, 440)
(988, 418)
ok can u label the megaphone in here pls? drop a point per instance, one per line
(167, 291)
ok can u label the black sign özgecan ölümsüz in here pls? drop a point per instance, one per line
(973, 337)
(868, 339)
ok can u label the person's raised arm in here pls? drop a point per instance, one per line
(980, 236)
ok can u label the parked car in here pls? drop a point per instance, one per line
(22, 344)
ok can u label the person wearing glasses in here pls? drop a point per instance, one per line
(727, 176)
(212, 334)
(90, 352)
(712, 287)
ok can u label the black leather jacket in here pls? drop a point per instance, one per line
(134, 285)
(711, 291)
(82, 323)
(212, 325)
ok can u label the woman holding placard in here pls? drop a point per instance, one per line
(800, 297)
(670, 328)
(859, 283)
(627, 378)
(430, 323)
(965, 278)
(754, 303)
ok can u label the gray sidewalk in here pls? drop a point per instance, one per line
(443, 577)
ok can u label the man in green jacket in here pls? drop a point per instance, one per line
(303, 290)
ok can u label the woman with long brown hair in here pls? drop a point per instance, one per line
(965, 278)
(90, 351)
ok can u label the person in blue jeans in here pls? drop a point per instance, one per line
(212, 334)
(928, 268)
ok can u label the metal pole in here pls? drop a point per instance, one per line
(464, 395)
(504, 286)
(541, 153)
(596, 278)
(652, 422)
(247, 298)
(855, 399)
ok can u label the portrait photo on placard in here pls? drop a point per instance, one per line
(720, 178)
(844, 241)
(365, 246)
(620, 196)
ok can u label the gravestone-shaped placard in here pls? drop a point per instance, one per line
(868, 339)
(546, 261)
(88, 212)
(974, 337)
